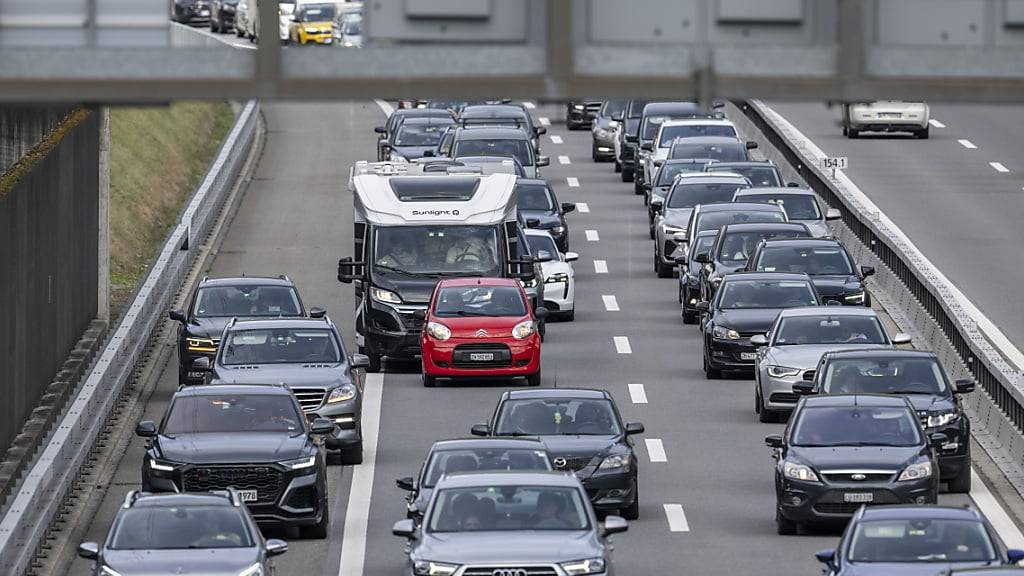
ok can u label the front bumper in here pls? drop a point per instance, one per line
(346, 416)
(559, 297)
(393, 331)
(729, 354)
(318, 38)
(801, 501)
(609, 491)
(450, 358)
(777, 393)
(668, 247)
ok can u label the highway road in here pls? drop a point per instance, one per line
(959, 196)
(296, 218)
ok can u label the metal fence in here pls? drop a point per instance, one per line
(51, 478)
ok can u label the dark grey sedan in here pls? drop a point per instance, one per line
(509, 523)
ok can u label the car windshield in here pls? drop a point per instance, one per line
(420, 134)
(508, 508)
(702, 245)
(483, 460)
(747, 294)
(557, 416)
(613, 108)
(885, 376)
(685, 195)
(279, 346)
(668, 172)
(223, 413)
(669, 134)
(540, 242)
(636, 109)
(181, 528)
(824, 329)
(353, 27)
(921, 540)
(715, 220)
(813, 261)
(534, 197)
(798, 206)
(651, 126)
(437, 250)
(480, 300)
(731, 152)
(316, 13)
(508, 148)
(759, 176)
(856, 426)
(229, 301)
(738, 246)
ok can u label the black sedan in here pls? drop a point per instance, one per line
(843, 452)
(825, 260)
(689, 274)
(747, 304)
(733, 246)
(538, 204)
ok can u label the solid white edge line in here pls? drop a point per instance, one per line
(573, 182)
(357, 513)
(995, 513)
(600, 267)
(556, 139)
(386, 108)
(936, 123)
(967, 144)
(582, 207)
(544, 121)
(610, 303)
(998, 166)
(655, 450)
(593, 236)
(564, 160)
(676, 518)
(622, 345)
(637, 393)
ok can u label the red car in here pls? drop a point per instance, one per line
(481, 328)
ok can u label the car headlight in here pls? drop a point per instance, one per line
(300, 463)
(799, 472)
(723, 333)
(669, 229)
(558, 230)
(857, 298)
(254, 570)
(556, 278)
(438, 331)
(916, 471)
(200, 345)
(942, 418)
(580, 567)
(523, 330)
(386, 296)
(396, 157)
(614, 462)
(428, 568)
(108, 571)
(341, 394)
(161, 465)
(782, 371)
(579, 107)
(531, 283)
(312, 30)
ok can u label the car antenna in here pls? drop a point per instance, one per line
(554, 384)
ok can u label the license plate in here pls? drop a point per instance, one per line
(858, 497)
(748, 355)
(890, 115)
(481, 356)
(204, 12)
(247, 495)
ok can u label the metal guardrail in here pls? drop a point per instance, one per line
(52, 477)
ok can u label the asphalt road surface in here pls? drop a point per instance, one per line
(296, 218)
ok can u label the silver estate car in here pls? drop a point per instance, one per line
(509, 523)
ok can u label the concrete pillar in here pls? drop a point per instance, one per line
(103, 236)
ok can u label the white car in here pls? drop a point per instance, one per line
(886, 116)
(559, 277)
(672, 130)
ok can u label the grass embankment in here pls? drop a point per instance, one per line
(157, 158)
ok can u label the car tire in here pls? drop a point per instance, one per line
(593, 153)
(650, 231)
(627, 174)
(533, 379)
(923, 134)
(632, 512)
(352, 456)
(689, 317)
(846, 130)
(709, 372)
(319, 530)
(638, 187)
(852, 134)
(962, 483)
(375, 361)
(784, 526)
(429, 381)
(867, 299)
(570, 315)
(660, 269)
(618, 166)
(764, 415)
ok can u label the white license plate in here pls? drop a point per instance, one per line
(858, 497)
(247, 495)
(204, 12)
(890, 115)
(481, 357)
(748, 355)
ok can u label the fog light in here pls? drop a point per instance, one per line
(693, 301)
(441, 363)
(793, 500)
(616, 493)
(344, 420)
(921, 500)
(521, 363)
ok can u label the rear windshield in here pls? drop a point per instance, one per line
(668, 172)
(483, 460)
(922, 540)
(732, 152)
(797, 206)
(509, 148)
(534, 197)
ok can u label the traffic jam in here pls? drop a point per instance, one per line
(461, 264)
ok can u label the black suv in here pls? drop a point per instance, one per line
(253, 439)
(627, 147)
(919, 376)
(309, 356)
(216, 302)
(539, 206)
(734, 244)
(825, 260)
(151, 531)
(584, 434)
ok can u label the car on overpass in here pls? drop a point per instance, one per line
(824, 259)
(801, 206)
(886, 116)
(312, 23)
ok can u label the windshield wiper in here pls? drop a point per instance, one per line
(471, 313)
(457, 274)
(383, 268)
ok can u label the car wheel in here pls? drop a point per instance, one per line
(709, 372)
(853, 134)
(923, 134)
(542, 330)
(627, 174)
(318, 531)
(632, 512)
(783, 525)
(867, 299)
(662, 270)
(650, 231)
(429, 381)
(533, 379)
(375, 360)
(764, 415)
(618, 166)
(352, 456)
(962, 483)
(570, 315)
(846, 131)
(638, 187)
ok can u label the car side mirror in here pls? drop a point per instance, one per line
(866, 271)
(322, 426)
(276, 547)
(541, 313)
(201, 364)
(571, 256)
(717, 104)
(1014, 555)
(380, 130)
(632, 138)
(634, 428)
(964, 386)
(614, 525)
(404, 528)
(647, 146)
(480, 430)
(359, 361)
(826, 557)
(759, 340)
(407, 483)
(89, 550)
(177, 316)
(937, 439)
(681, 260)
(568, 207)
(773, 441)
(317, 312)
(420, 315)
(803, 388)
(703, 258)
(532, 222)
(657, 204)
(543, 161)
(541, 131)
(792, 184)
(544, 256)
(833, 214)
(146, 429)
(702, 307)
(902, 338)
(751, 145)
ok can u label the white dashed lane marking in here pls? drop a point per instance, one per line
(676, 518)
(573, 182)
(611, 304)
(998, 167)
(967, 144)
(582, 207)
(556, 139)
(600, 267)
(593, 236)
(936, 123)
(656, 450)
(564, 160)
(622, 345)
(544, 121)
(637, 393)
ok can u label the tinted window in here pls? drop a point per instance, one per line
(824, 260)
(181, 528)
(856, 426)
(434, 250)
(509, 148)
(921, 540)
(316, 13)
(480, 301)
(280, 346)
(668, 172)
(715, 220)
(702, 245)
(636, 108)
(759, 176)
(732, 152)
(420, 134)
(224, 413)
(651, 125)
(885, 376)
(798, 206)
(557, 416)
(483, 459)
(685, 195)
(799, 330)
(670, 133)
(227, 301)
(534, 197)
(747, 294)
(613, 107)
(542, 242)
(504, 508)
(738, 246)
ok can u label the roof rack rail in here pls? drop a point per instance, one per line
(131, 497)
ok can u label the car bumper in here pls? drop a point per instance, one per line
(668, 248)
(777, 393)
(323, 38)
(609, 491)
(346, 417)
(885, 125)
(519, 359)
(559, 296)
(728, 354)
(820, 502)
(185, 360)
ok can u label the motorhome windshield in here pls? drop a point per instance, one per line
(437, 251)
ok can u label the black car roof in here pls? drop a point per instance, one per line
(557, 393)
(843, 400)
(673, 108)
(881, 353)
(421, 112)
(740, 207)
(810, 242)
(487, 132)
(289, 322)
(240, 389)
(525, 443)
(247, 281)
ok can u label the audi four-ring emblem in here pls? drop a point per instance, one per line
(509, 572)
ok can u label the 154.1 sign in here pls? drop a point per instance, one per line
(837, 163)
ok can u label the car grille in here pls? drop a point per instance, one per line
(837, 507)
(310, 398)
(510, 571)
(264, 479)
(848, 477)
(410, 322)
(783, 398)
(502, 356)
(572, 463)
(809, 375)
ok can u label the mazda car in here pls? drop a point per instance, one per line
(825, 260)
(801, 205)
(602, 148)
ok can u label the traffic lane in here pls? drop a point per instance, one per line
(292, 219)
(945, 197)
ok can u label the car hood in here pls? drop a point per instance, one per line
(555, 267)
(905, 569)
(468, 327)
(294, 375)
(412, 290)
(806, 356)
(677, 216)
(226, 448)
(565, 445)
(548, 219)
(835, 285)
(214, 562)
(747, 320)
(859, 457)
(931, 402)
(509, 547)
(412, 152)
(817, 227)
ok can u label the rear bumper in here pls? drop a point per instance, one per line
(886, 126)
